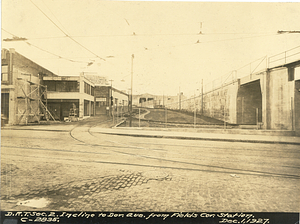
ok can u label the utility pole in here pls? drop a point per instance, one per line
(195, 111)
(111, 99)
(132, 57)
(139, 117)
(202, 96)
(166, 117)
(179, 106)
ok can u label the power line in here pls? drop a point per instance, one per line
(65, 32)
(55, 54)
(194, 43)
(162, 34)
(180, 45)
(8, 32)
(45, 38)
(60, 57)
(187, 44)
(54, 15)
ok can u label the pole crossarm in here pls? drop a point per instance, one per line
(288, 31)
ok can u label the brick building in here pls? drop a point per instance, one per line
(22, 95)
(109, 99)
(30, 93)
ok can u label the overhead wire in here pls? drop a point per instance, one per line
(30, 44)
(188, 44)
(55, 17)
(140, 35)
(194, 43)
(65, 32)
(136, 35)
(148, 48)
(54, 54)
(8, 32)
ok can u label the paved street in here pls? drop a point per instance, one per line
(76, 168)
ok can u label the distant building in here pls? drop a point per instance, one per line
(110, 100)
(22, 95)
(158, 101)
(96, 79)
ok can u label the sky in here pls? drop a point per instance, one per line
(175, 45)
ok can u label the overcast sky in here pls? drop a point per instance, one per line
(68, 37)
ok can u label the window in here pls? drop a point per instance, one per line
(4, 73)
(62, 86)
(87, 88)
(50, 85)
(93, 91)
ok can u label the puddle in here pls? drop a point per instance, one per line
(234, 175)
(35, 203)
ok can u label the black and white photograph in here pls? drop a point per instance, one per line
(150, 112)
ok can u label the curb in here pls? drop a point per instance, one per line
(32, 129)
(121, 122)
(204, 138)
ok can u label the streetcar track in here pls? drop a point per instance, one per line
(206, 147)
(243, 171)
(28, 129)
(108, 153)
(56, 150)
(165, 167)
(181, 146)
(191, 146)
(174, 161)
(213, 147)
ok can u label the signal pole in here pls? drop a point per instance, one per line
(202, 96)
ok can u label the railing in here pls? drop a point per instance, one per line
(195, 102)
(254, 67)
(284, 57)
(226, 79)
(231, 77)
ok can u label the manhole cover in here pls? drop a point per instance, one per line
(155, 174)
(35, 203)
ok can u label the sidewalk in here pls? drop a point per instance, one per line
(203, 135)
(58, 126)
(251, 136)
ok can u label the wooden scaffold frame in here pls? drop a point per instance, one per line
(37, 94)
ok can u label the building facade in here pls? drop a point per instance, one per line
(110, 100)
(70, 96)
(159, 101)
(22, 94)
(31, 93)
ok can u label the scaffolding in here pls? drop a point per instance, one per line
(31, 102)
